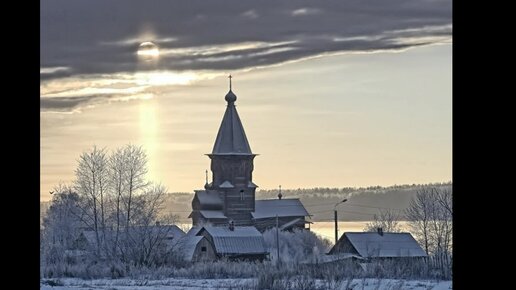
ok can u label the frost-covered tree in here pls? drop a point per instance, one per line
(144, 241)
(111, 198)
(61, 225)
(387, 219)
(92, 180)
(117, 168)
(430, 217)
(135, 161)
(128, 188)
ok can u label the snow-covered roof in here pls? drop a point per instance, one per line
(208, 198)
(269, 208)
(226, 184)
(290, 223)
(188, 245)
(251, 184)
(372, 244)
(213, 214)
(170, 230)
(242, 240)
(193, 231)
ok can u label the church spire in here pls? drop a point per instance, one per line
(230, 96)
(231, 138)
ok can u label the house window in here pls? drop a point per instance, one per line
(241, 195)
(203, 249)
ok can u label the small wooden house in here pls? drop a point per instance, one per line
(208, 207)
(234, 242)
(373, 245)
(196, 249)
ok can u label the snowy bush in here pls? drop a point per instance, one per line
(222, 269)
(296, 246)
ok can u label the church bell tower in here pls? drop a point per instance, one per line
(232, 168)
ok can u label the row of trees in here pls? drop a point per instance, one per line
(338, 192)
(112, 201)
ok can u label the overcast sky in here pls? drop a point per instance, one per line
(331, 93)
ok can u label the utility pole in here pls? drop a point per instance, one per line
(336, 220)
(277, 239)
(336, 225)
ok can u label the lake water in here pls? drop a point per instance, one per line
(327, 229)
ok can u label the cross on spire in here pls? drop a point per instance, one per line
(230, 77)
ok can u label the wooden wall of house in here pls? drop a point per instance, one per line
(196, 205)
(216, 222)
(343, 246)
(205, 234)
(198, 219)
(237, 169)
(238, 206)
(207, 255)
(239, 201)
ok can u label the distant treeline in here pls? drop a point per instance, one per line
(363, 202)
(349, 191)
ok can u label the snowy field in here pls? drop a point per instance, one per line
(189, 284)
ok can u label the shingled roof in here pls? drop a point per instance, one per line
(241, 240)
(231, 138)
(209, 199)
(213, 214)
(373, 244)
(269, 208)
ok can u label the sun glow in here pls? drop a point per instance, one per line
(148, 119)
(148, 50)
(160, 78)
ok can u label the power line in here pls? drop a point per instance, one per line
(348, 211)
(321, 204)
(323, 211)
(355, 212)
(370, 206)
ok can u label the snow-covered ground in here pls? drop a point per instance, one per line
(189, 284)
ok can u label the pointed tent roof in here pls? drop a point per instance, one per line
(231, 137)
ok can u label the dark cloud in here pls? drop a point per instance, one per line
(68, 104)
(92, 37)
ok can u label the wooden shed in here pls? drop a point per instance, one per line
(378, 245)
(197, 249)
(245, 243)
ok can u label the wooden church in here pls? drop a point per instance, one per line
(230, 197)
